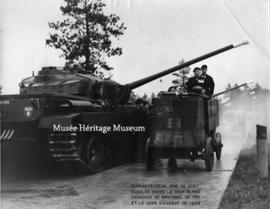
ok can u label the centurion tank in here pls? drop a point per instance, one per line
(79, 119)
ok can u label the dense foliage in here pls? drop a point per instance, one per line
(85, 35)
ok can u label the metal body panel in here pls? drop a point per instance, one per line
(65, 120)
(20, 109)
(18, 131)
(179, 122)
(213, 114)
(179, 139)
(107, 118)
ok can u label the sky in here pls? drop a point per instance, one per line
(159, 34)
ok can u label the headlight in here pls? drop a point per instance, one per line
(28, 111)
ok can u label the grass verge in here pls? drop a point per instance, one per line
(246, 190)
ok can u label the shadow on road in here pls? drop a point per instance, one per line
(30, 166)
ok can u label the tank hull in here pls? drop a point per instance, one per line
(46, 124)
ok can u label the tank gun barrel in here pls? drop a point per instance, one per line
(148, 79)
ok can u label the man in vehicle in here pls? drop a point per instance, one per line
(196, 83)
(209, 84)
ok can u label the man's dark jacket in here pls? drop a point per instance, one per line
(195, 81)
(209, 84)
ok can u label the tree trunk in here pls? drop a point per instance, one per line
(87, 42)
(87, 59)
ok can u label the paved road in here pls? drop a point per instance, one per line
(128, 186)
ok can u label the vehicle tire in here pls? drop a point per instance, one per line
(218, 145)
(150, 158)
(94, 155)
(149, 155)
(209, 155)
(172, 163)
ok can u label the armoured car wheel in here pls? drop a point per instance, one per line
(218, 145)
(172, 163)
(149, 155)
(209, 155)
(94, 155)
(150, 158)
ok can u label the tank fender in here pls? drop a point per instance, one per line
(47, 122)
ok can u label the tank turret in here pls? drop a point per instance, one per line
(57, 80)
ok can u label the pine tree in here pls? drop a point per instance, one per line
(182, 78)
(86, 34)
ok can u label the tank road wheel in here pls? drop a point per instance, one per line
(172, 163)
(94, 155)
(209, 155)
(218, 145)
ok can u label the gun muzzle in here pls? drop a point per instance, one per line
(240, 43)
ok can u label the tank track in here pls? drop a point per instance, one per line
(65, 149)
(69, 149)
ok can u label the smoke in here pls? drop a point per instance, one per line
(239, 117)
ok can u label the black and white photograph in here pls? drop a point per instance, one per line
(135, 104)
